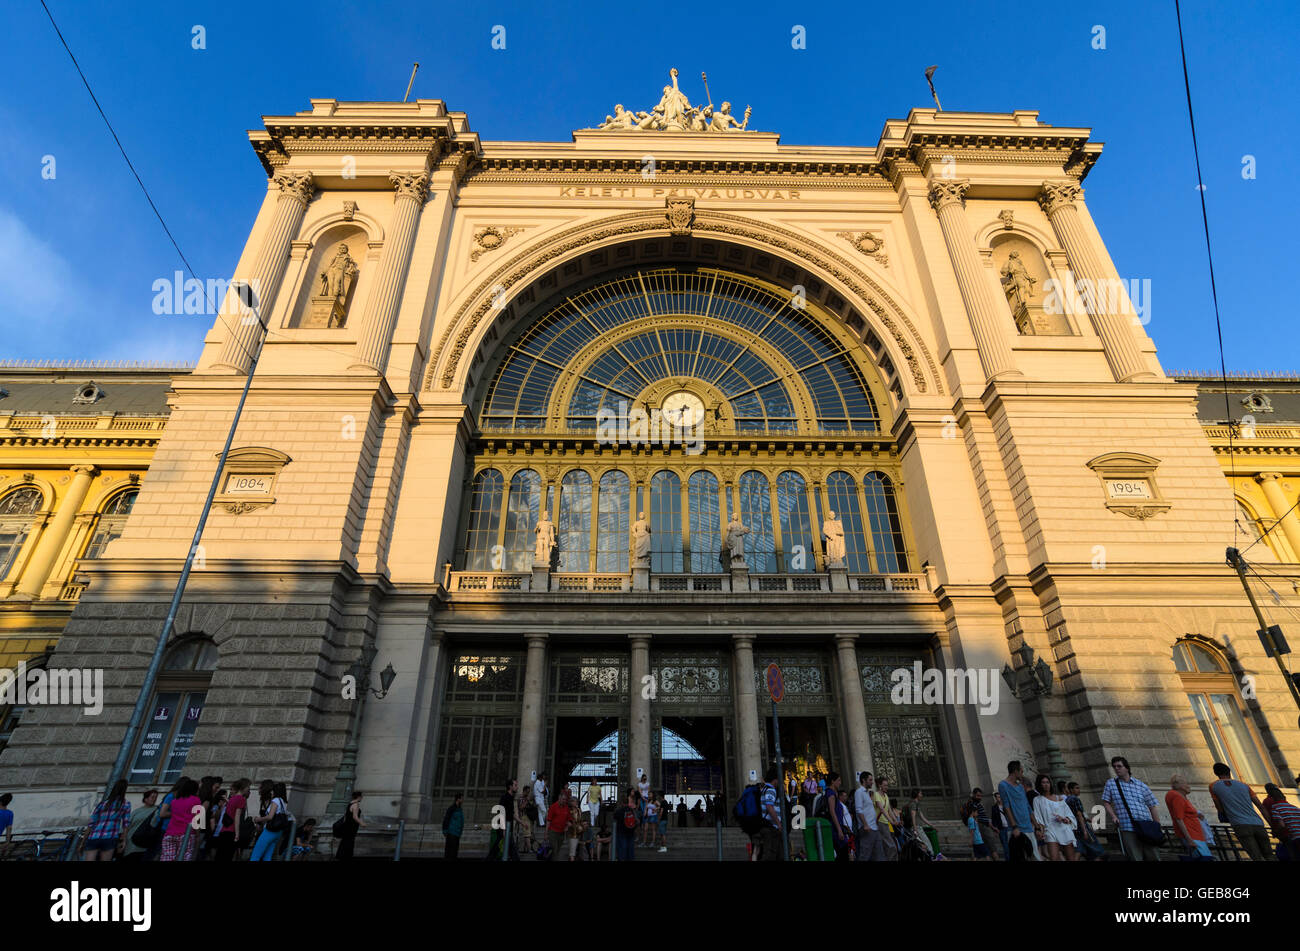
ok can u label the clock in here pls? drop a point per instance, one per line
(683, 409)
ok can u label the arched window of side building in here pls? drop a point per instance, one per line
(110, 522)
(1220, 713)
(173, 716)
(17, 516)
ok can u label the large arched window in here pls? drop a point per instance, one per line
(1217, 706)
(17, 515)
(756, 514)
(174, 715)
(886, 528)
(747, 340)
(1248, 523)
(706, 523)
(796, 524)
(484, 520)
(522, 507)
(843, 494)
(573, 531)
(665, 522)
(111, 522)
(612, 524)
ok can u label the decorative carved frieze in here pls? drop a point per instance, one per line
(680, 213)
(490, 238)
(867, 243)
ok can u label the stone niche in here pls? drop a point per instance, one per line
(332, 279)
(1020, 267)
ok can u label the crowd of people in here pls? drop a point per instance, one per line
(1045, 820)
(1041, 821)
(200, 820)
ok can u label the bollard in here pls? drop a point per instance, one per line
(397, 847)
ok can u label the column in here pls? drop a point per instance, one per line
(1100, 287)
(531, 723)
(855, 711)
(949, 201)
(1271, 483)
(242, 333)
(639, 726)
(55, 534)
(746, 707)
(412, 188)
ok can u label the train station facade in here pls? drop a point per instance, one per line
(580, 437)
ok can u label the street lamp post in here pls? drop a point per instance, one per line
(1034, 679)
(346, 777)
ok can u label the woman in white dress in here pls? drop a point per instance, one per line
(1054, 816)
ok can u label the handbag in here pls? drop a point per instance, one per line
(1148, 830)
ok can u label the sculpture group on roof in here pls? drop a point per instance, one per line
(674, 113)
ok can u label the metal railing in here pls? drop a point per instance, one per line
(607, 582)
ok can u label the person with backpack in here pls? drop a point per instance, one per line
(347, 827)
(625, 824)
(143, 831)
(230, 819)
(769, 834)
(108, 824)
(274, 825)
(453, 824)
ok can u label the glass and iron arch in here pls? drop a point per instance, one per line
(775, 365)
(1216, 704)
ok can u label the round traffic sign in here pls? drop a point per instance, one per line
(775, 683)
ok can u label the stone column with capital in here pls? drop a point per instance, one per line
(949, 201)
(1271, 484)
(855, 711)
(243, 335)
(1098, 287)
(411, 191)
(639, 725)
(531, 722)
(747, 724)
(55, 534)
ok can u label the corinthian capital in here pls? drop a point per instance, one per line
(299, 185)
(1056, 195)
(410, 185)
(944, 192)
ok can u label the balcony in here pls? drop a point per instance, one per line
(473, 582)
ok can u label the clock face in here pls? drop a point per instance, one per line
(684, 409)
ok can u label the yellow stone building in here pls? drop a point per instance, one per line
(580, 437)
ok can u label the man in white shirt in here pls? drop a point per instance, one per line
(871, 848)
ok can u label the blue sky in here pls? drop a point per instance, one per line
(80, 252)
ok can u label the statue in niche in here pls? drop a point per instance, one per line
(1016, 278)
(833, 533)
(641, 542)
(545, 532)
(334, 285)
(734, 542)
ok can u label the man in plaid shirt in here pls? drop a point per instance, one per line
(1128, 804)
